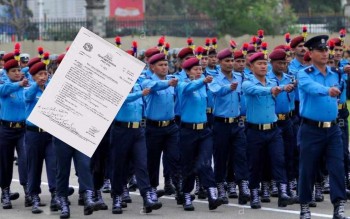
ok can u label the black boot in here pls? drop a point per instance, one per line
(291, 193)
(348, 194)
(305, 211)
(89, 203)
(313, 203)
(106, 188)
(254, 199)
(169, 187)
(35, 205)
(81, 199)
(126, 196)
(70, 191)
(283, 198)
(27, 197)
(325, 185)
(5, 198)
(318, 193)
(265, 192)
(132, 184)
(213, 199)
(117, 204)
(65, 211)
(197, 186)
(148, 204)
(187, 203)
(244, 195)
(99, 203)
(54, 203)
(232, 190)
(274, 189)
(202, 193)
(222, 192)
(339, 208)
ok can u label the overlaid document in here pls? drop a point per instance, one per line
(86, 92)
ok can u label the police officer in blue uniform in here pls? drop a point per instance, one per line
(262, 131)
(162, 133)
(196, 142)
(228, 133)
(128, 142)
(284, 103)
(319, 133)
(12, 127)
(39, 143)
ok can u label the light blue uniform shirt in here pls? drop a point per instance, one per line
(284, 100)
(31, 97)
(226, 101)
(131, 110)
(160, 102)
(193, 100)
(210, 72)
(294, 67)
(181, 76)
(259, 101)
(12, 102)
(315, 102)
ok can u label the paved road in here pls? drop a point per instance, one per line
(169, 209)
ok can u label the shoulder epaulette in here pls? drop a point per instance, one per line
(310, 69)
(336, 70)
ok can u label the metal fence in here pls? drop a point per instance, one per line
(324, 23)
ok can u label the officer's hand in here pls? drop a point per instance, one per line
(289, 87)
(24, 82)
(146, 91)
(234, 85)
(208, 79)
(276, 90)
(333, 92)
(173, 82)
(347, 69)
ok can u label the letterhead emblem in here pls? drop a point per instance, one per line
(88, 47)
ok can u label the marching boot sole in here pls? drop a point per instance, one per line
(101, 206)
(37, 211)
(265, 200)
(7, 207)
(161, 193)
(147, 210)
(117, 211)
(215, 204)
(88, 210)
(189, 208)
(157, 206)
(255, 206)
(54, 207)
(13, 196)
(127, 200)
(242, 200)
(65, 215)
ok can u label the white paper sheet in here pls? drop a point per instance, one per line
(86, 92)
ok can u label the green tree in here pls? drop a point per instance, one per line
(20, 15)
(247, 16)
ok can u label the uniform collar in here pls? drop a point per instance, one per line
(296, 63)
(272, 75)
(328, 70)
(256, 81)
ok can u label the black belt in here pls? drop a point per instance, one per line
(227, 119)
(34, 129)
(164, 123)
(262, 127)
(130, 125)
(318, 123)
(14, 125)
(282, 117)
(194, 126)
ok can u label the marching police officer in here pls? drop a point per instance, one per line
(262, 131)
(319, 133)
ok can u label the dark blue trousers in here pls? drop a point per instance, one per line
(271, 142)
(65, 154)
(40, 147)
(99, 165)
(344, 127)
(314, 144)
(230, 148)
(166, 140)
(9, 139)
(196, 148)
(127, 145)
(286, 126)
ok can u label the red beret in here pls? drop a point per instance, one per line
(238, 55)
(184, 52)
(307, 57)
(296, 40)
(33, 61)
(156, 58)
(251, 49)
(39, 66)
(337, 41)
(257, 56)
(225, 53)
(12, 63)
(189, 63)
(151, 51)
(60, 58)
(280, 47)
(278, 54)
(8, 56)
